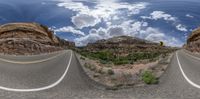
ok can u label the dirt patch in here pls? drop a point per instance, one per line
(122, 76)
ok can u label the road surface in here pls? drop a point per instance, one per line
(60, 76)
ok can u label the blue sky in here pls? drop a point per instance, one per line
(85, 21)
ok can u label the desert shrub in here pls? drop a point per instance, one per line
(82, 58)
(104, 62)
(95, 75)
(100, 71)
(120, 62)
(131, 62)
(108, 57)
(92, 68)
(87, 65)
(149, 78)
(110, 72)
(102, 55)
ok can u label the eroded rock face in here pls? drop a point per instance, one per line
(193, 41)
(124, 45)
(29, 38)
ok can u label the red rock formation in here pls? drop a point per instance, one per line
(124, 45)
(193, 41)
(29, 38)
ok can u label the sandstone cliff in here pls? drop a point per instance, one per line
(123, 45)
(29, 38)
(193, 41)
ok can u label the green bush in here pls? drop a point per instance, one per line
(109, 57)
(149, 78)
(104, 62)
(110, 72)
(120, 62)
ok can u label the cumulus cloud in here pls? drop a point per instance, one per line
(74, 6)
(70, 29)
(83, 20)
(110, 12)
(189, 16)
(116, 31)
(131, 28)
(94, 35)
(90, 38)
(104, 10)
(101, 32)
(156, 15)
(181, 27)
(155, 35)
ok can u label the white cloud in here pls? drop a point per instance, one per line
(130, 28)
(181, 27)
(43, 3)
(102, 6)
(153, 34)
(116, 18)
(90, 38)
(116, 31)
(83, 20)
(69, 29)
(156, 35)
(94, 35)
(162, 15)
(101, 32)
(74, 6)
(110, 12)
(156, 15)
(104, 9)
(189, 16)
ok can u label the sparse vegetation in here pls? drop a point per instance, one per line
(89, 66)
(100, 71)
(110, 72)
(82, 58)
(149, 78)
(86, 65)
(120, 61)
(107, 57)
(92, 68)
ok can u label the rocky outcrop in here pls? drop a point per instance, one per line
(29, 38)
(193, 41)
(124, 45)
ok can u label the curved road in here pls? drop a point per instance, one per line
(60, 76)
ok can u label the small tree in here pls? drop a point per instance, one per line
(161, 43)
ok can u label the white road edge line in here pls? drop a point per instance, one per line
(29, 62)
(42, 88)
(184, 75)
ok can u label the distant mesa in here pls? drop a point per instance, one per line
(193, 41)
(29, 38)
(126, 45)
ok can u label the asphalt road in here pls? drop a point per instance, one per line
(59, 76)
